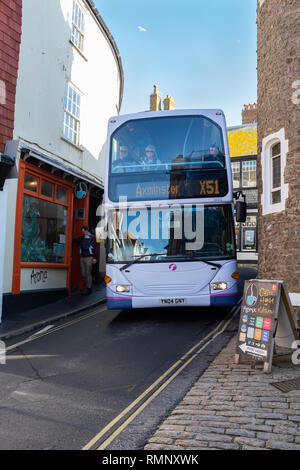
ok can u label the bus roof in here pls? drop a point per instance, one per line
(214, 114)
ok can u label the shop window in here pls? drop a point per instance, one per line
(47, 189)
(249, 234)
(31, 183)
(44, 220)
(61, 194)
(43, 231)
(236, 170)
(249, 174)
(77, 36)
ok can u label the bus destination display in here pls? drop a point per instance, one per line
(208, 186)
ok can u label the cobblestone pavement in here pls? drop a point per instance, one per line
(235, 407)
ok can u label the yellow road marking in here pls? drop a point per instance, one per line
(53, 330)
(162, 387)
(149, 389)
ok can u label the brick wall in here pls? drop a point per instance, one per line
(249, 113)
(10, 37)
(278, 70)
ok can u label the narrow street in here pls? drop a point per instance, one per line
(62, 386)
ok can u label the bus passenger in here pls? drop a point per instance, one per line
(124, 164)
(215, 155)
(150, 160)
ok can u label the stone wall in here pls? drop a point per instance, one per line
(10, 38)
(279, 108)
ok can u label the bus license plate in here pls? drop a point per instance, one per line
(170, 302)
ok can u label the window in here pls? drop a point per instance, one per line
(61, 194)
(47, 189)
(43, 231)
(249, 234)
(166, 157)
(77, 26)
(31, 183)
(166, 235)
(72, 114)
(44, 221)
(273, 160)
(236, 168)
(276, 173)
(249, 174)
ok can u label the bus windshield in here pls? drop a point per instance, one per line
(191, 233)
(166, 157)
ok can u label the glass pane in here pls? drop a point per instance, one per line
(249, 174)
(43, 231)
(276, 197)
(47, 189)
(276, 172)
(196, 142)
(249, 239)
(276, 150)
(165, 235)
(31, 183)
(235, 166)
(164, 157)
(61, 194)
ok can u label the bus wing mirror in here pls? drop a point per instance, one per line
(241, 211)
(240, 207)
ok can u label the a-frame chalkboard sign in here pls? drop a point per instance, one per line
(267, 318)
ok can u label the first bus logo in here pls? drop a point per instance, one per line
(173, 267)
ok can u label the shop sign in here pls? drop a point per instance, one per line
(81, 190)
(267, 318)
(33, 279)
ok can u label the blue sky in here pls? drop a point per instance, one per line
(201, 52)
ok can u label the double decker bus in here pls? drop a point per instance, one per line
(169, 211)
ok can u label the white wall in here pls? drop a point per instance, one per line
(47, 61)
(8, 225)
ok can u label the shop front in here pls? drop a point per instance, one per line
(246, 238)
(50, 212)
(43, 236)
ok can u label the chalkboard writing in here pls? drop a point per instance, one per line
(265, 309)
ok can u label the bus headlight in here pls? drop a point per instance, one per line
(121, 288)
(219, 285)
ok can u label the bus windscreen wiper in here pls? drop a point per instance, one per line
(184, 258)
(140, 257)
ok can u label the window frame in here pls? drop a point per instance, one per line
(266, 177)
(77, 39)
(68, 113)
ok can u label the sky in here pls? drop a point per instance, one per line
(201, 52)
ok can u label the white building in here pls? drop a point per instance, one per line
(70, 82)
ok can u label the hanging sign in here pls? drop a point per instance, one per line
(267, 318)
(81, 190)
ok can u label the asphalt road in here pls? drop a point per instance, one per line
(61, 388)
